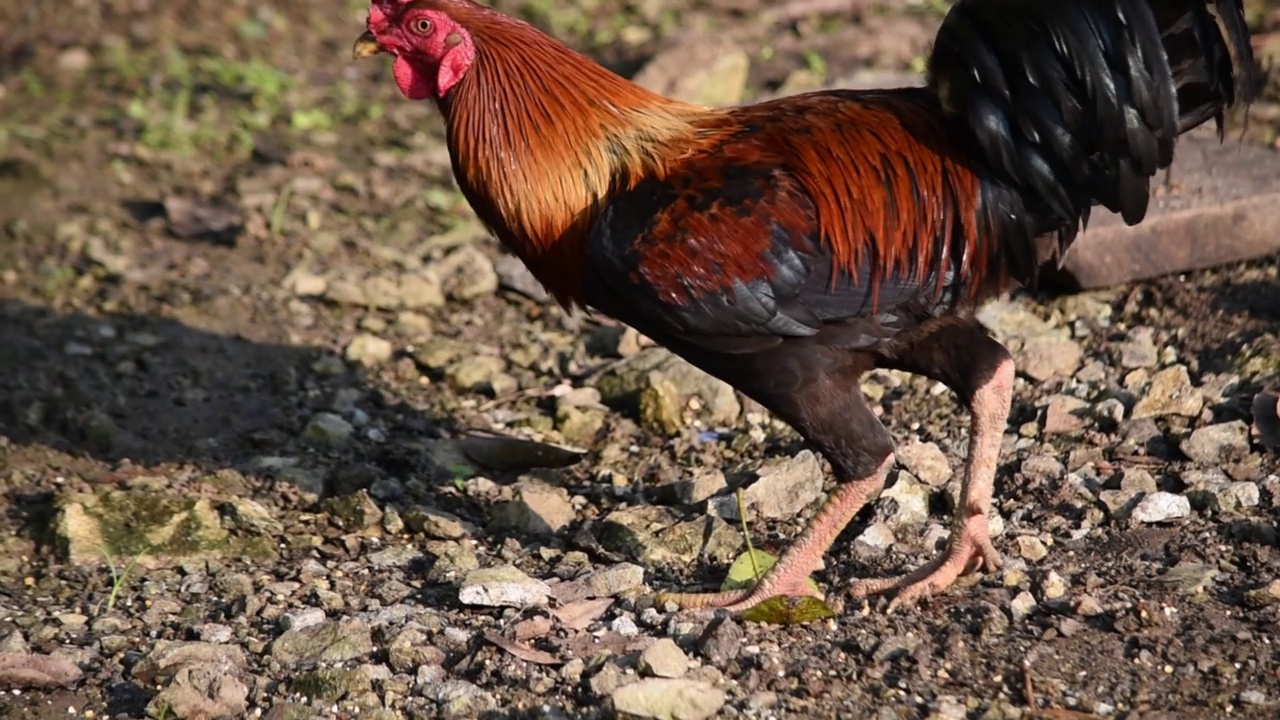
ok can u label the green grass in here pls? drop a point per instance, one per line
(189, 104)
(118, 577)
(206, 104)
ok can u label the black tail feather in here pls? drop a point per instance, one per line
(1075, 103)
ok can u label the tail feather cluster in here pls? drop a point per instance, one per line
(1079, 103)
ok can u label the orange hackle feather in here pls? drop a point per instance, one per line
(541, 136)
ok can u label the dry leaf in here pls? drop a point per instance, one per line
(502, 452)
(570, 592)
(524, 652)
(532, 628)
(24, 670)
(579, 614)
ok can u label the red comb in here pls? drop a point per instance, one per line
(379, 10)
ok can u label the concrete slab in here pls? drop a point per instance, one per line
(1222, 206)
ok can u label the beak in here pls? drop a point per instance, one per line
(366, 46)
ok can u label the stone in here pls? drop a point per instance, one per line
(436, 523)
(503, 586)
(1139, 349)
(652, 535)
(663, 659)
(330, 641)
(666, 392)
(1218, 444)
(304, 283)
(167, 657)
(467, 274)
(1170, 393)
(1265, 596)
(700, 486)
(905, 503)
(1160, 507)
(250, 515)
(461, 699)
(926, 461)
(328, 430)
(300, 619)
(420, 291)
(614, 580)
(721, 641)
(1043, 467)
(538, 509)
(667, 699)
(1053, 586)
(369, 350)
(580, 425)
(475, 373)
(1031, 548)
(1063, 415)
(1022, 605)
(1212, 490)
(785, 487)
(1049, 355)
(713, 72)
(453, 560)
(147, 526)
(874, 540)
(201, 691)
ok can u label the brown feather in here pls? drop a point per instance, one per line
(541, 136)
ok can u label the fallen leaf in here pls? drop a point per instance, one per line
(26, 670)
(522, 651)
(499, 452)
(749, 567)
(589, 645)
(569, 592)
(789, 611)
(532, 628)
(581, 613)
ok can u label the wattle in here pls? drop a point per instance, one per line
(413, 83)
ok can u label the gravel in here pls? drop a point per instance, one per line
(331, 454)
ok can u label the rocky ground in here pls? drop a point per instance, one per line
(283, 432)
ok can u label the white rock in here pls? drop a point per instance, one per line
(1161, 507)
(503, 586)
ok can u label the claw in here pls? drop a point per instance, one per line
(969, 550)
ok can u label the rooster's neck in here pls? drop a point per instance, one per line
(540, 136)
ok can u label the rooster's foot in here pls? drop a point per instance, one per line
(788, 585)
(968, 550)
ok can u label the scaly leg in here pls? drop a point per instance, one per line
(969, 547)
(789, 577)
(814, 389)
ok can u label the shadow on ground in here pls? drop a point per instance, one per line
(152, 391)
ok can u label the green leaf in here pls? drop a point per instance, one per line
(749, 567)
(789, 611)
(743, 571)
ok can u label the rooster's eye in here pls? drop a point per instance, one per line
(422, 26)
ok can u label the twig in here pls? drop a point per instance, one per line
(1027, 690)
(513, 397)
(742, 517)
(1047, 713)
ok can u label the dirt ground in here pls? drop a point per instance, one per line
(247, 325)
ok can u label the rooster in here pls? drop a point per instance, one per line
(790, 246)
